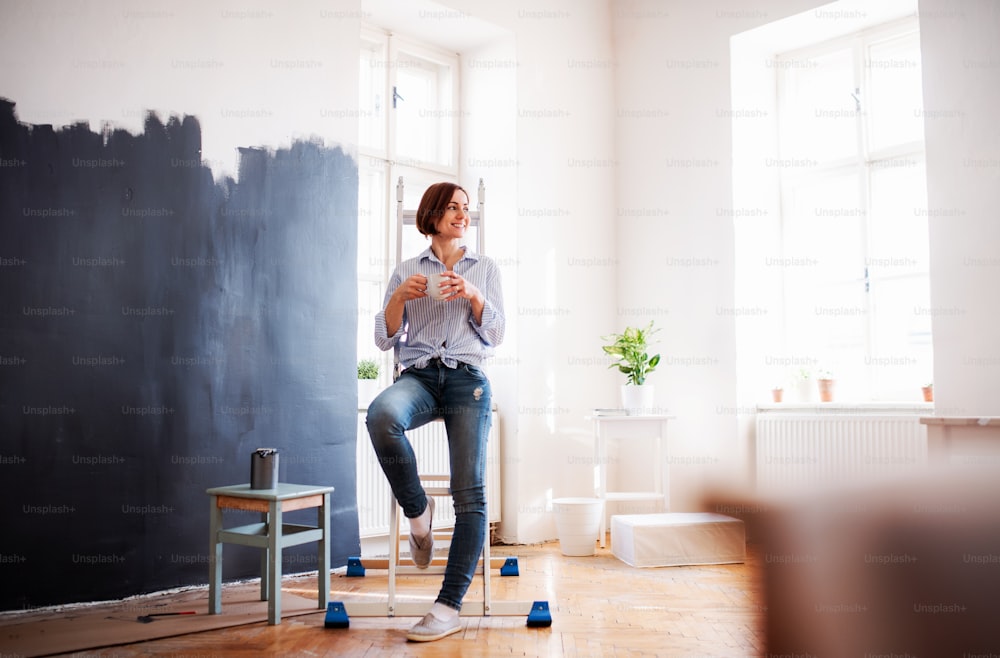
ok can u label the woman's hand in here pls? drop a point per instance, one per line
(414, 287)
(458, 288)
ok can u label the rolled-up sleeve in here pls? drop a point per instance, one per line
(494, 324)
(382, 338)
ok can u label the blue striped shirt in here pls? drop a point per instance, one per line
(445, 329)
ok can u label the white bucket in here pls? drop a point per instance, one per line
(578, 520)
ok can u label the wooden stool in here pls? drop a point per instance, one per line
(271, 534)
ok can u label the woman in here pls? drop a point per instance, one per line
(447, 338)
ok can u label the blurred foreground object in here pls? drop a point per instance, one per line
(909, 568)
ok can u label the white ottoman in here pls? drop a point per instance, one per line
(677, 538)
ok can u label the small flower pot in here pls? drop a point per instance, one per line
(928, 392)
(777, 394)
(804, 391)
(825, 390)
(367, 390)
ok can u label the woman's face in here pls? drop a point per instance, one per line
(455, 219)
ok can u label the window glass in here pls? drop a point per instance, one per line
(372, 252)
(895, 100)
(819, 108)
(371, 98)
(901, 355)
(424, 111)
(824, 226)
(899, 232)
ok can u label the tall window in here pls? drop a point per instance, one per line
(854, 211)
(408, 126)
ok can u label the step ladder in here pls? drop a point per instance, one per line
(338, 614)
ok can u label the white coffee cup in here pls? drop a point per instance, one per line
(434, 286)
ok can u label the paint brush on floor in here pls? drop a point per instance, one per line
(145, 619)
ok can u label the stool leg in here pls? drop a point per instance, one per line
(214, 557)
(265, 562)
(274, 546)
(393, 552)
(487, 594)
(323, 575)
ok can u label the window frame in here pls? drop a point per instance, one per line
(385, 160)
(863, 164)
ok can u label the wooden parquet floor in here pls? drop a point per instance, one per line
(600, 607)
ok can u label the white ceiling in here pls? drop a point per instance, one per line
(443, 26)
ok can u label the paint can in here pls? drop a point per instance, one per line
(264, 468)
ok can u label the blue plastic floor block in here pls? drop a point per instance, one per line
(539, 616)
(354, 567)
(336, 616)
(509, 567)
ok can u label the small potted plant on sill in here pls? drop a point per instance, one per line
(629, 349)
(805, 391)
(928, 391)
(825, 381)
(368, 370)
(777, 393)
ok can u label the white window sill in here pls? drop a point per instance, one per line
(888, 408)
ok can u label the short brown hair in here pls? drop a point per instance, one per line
(433, 204)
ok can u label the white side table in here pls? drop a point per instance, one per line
(630, 428)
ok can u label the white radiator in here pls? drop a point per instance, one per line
(430, 444)
(796, 450)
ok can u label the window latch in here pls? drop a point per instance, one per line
(395, 96)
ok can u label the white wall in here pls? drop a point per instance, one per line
(565, 270)
(676, 237)
(618, 209)
(566, 201)
(489, 152)
(254, 73)
(960, 43)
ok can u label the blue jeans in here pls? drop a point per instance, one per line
(462, 397)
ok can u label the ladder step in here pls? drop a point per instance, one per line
(500, 563)
(438, 534)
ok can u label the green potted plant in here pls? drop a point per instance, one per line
(368, 370)
(629, 350)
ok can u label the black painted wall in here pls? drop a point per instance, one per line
(155, 328)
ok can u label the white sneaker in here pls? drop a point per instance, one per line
(422, 550)
(431, 628)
